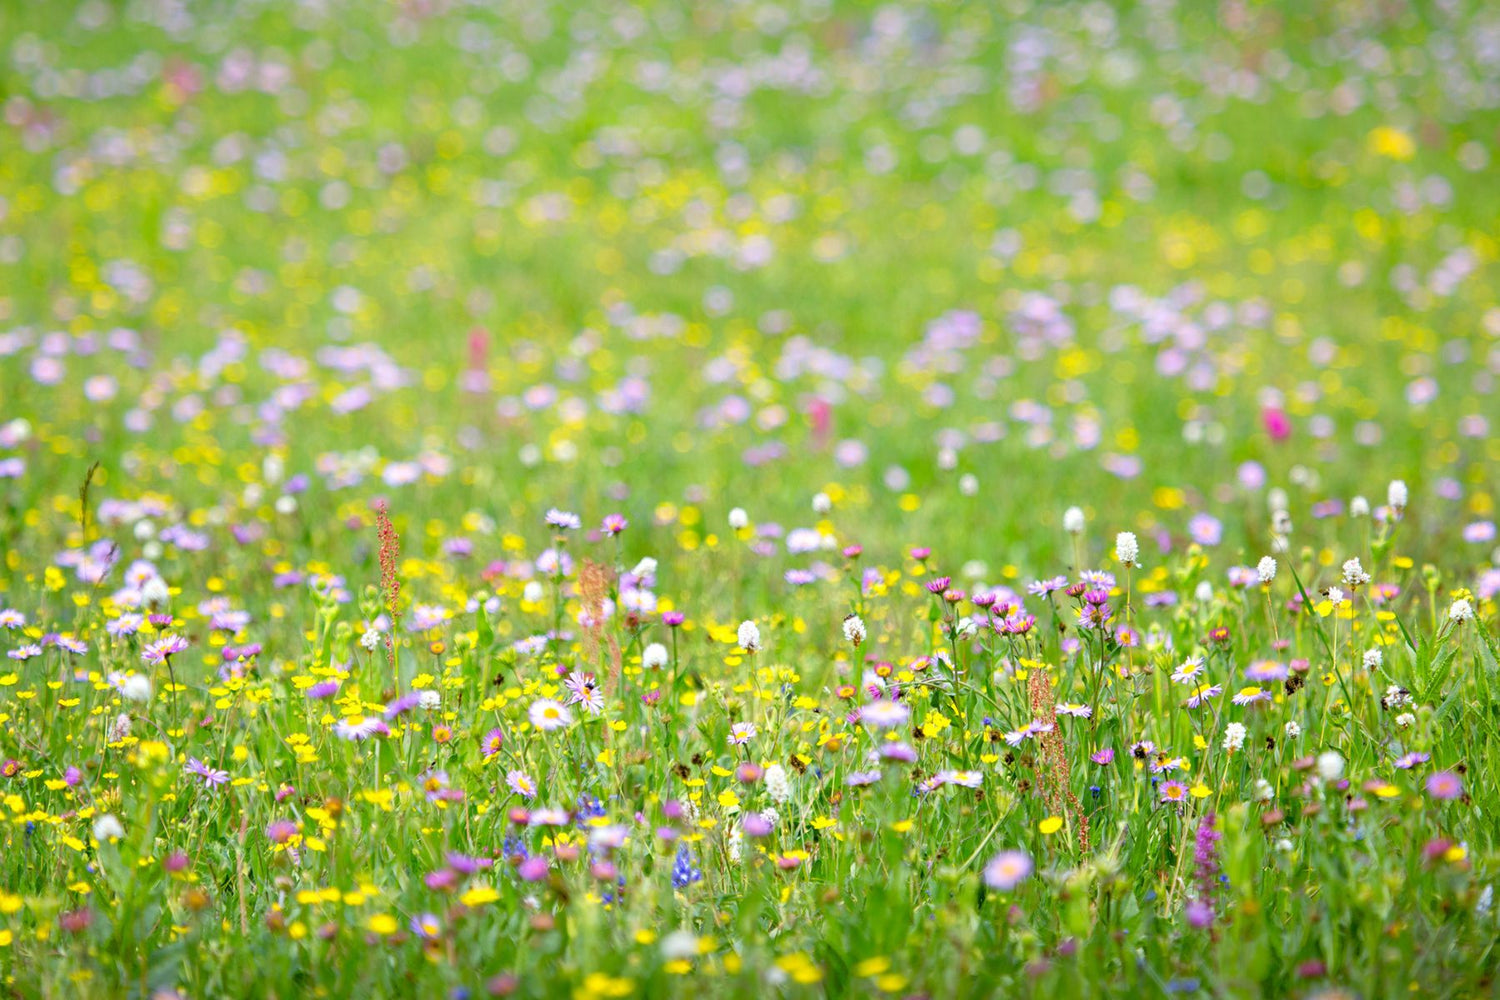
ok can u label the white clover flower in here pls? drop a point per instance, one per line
(1396, 495)
(854, 630)
(1292, 729)
(121, 728)
(1234, 737)
(778, 787)
(1073, 520)
(738, 519)
(1460, 611)
(1335, 596)
(1330, 765)
(429, 699)
(370, 639)
(749, 636)
(1373, 659)
(1359, 507)
(1263, 791)
(136, 687)
(679, 946)
(654, 656)
(1396, 697)
(155, 593)
(1127, 549)
(1265, 570)
(1405, 720)
(1354, 573)
(108, 828)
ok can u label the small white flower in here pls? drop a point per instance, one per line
(1354, 574)
(120, 729)
(778, 787)
(1265, 570)
(1359, 507)
(533, 592)
(1405, 719)
(749, 636)
(1204, 592)
(136, 687)
(1234, 737)
(1373, 659)
(1335, 596)
(1263, 790)
(1281, 522)
(1460, 611)
(155, 593)
(822, 503)
(646, 567)
(429, 699)
(738, 519)
(1330, 765)
(854, 629)
(679, 946)
(108, 828)
(1127, 549)
(968, 484)
(654, 656)
(285, 504)
(369, 640)
(1395, 494)
(1395, 697)
(1073, 520)
(1292, 729)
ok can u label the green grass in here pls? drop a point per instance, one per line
(896, 278)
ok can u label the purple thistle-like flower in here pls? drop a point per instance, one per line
(403, 704)
(323, 689)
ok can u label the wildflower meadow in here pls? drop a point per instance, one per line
(761, 498)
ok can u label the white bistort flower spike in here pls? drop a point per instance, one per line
(749, 636)
(1073, 520)
(1396, 495)
(1265, 570)
(654, 656)
(1127, 549)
